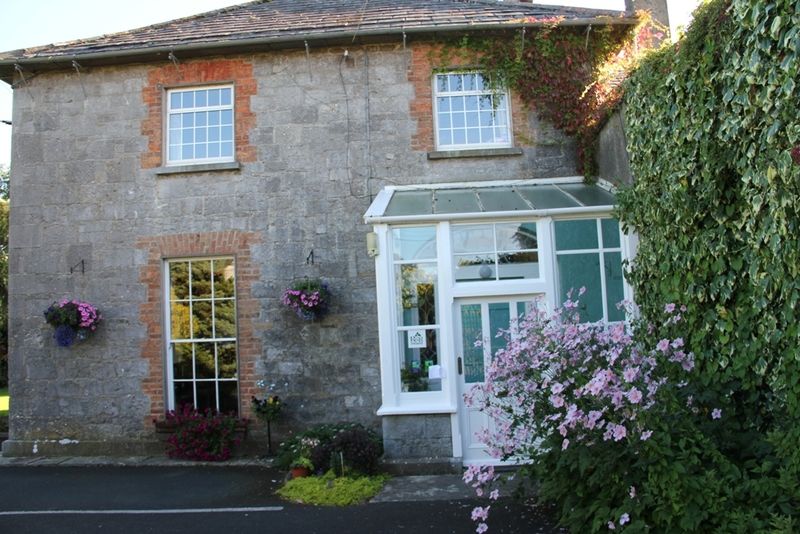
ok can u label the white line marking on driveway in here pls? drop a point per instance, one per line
(146, 512)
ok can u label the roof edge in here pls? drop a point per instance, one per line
(140, 54)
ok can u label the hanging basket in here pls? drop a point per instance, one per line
(73, 320)
(308, 298)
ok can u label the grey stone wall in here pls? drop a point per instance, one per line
(329, 134)
(612, 151)
(417, 436)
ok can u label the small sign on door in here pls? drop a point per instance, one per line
(416, 339)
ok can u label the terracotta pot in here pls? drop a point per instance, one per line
(299, 472)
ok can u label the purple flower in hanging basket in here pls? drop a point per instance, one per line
(65, 335)
(73, 320)
(307, 298)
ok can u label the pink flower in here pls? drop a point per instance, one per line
(646, 435)
(624, 518)
(635, 396)
(480, 513)
(669, 308)
(611, 526)
(482, 528)
(619, 432)
(716, 413)
(564, 444)
(663, 345)
(495, 494)
(632, 492)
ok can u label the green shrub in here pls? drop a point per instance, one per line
(360, 448)
(329, 490)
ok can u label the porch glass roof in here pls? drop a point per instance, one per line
(488, 200)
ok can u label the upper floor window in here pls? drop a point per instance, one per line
(200, 125)
(469, 112)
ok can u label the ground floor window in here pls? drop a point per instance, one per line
(202, 367)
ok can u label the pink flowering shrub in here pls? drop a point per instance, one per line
(580, 403)
(206, 436)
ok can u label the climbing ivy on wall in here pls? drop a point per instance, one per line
(570, 75)
(713, 128)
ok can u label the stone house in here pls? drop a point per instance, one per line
(195, 168)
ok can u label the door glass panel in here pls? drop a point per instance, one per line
(473, 238)
(471, 328)
(582, 270)
(499, 319)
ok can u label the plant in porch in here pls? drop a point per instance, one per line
(308, 298)
(73, 320)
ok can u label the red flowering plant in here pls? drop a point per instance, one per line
(73, 320)
(207, 436)
(308, 298)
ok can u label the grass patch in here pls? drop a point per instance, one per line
(3, 410)
(330, 490)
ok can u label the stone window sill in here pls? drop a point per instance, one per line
(200, 167)
(475, 153)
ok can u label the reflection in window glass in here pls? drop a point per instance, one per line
(420, 351)
(495, 251)
(417, 284)
(414, 243)
(202, 340)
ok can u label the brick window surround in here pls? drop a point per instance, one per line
(420, 73)
(239, 72)
(151, 312)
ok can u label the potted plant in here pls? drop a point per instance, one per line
(73, 320)
(301, 467)
(308, 298)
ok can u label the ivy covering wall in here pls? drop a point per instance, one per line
(713, 130)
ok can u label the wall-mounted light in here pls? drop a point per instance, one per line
(372, 244)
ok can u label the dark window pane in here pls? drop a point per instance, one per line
(224, 318)
(204, 360)
(228, 397)
(417, 361)
(417, 285)
(179, 280)
(179, 320)
(206, 395)
(182, 360)
(201, 279)
(576, 235)
(516, 265)
(582, 270)
(184, 394)
(610, 229)
(201, 320)
(224, 277)
(226, 357)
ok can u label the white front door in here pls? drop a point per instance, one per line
(480, 320)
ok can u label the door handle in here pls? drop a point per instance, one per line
(460, 367)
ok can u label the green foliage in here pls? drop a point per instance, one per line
(329, 445)
(329, 490)
(569, 75)
(711, 125)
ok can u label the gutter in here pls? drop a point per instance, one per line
(7, 66)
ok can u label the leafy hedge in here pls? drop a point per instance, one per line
(712, 127)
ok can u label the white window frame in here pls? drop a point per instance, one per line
(169, 361)
(493, 93)
(169, 112)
